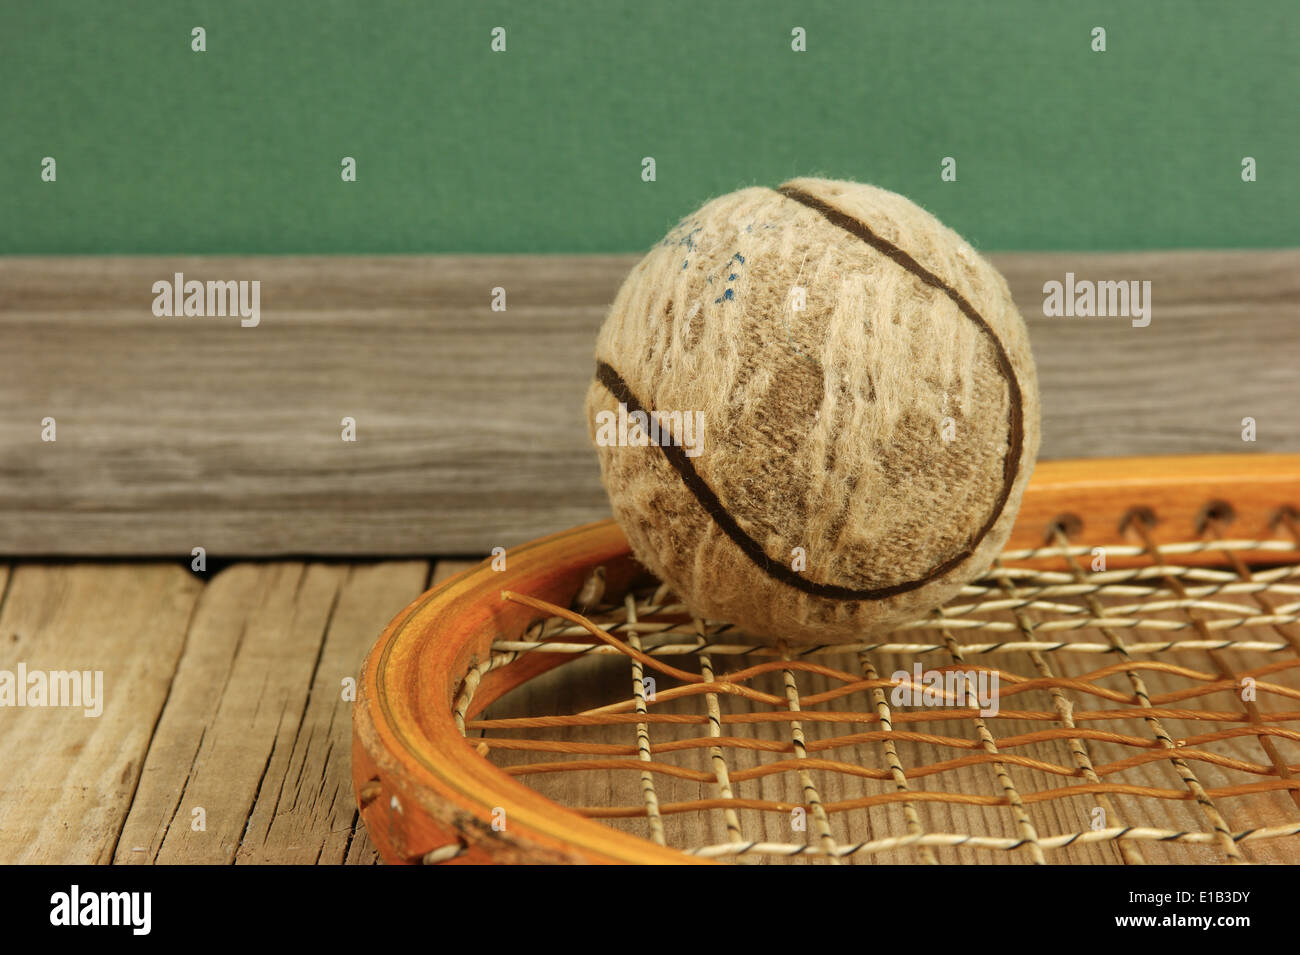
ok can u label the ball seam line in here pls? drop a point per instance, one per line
(712, 505)
(708, 499)
(1016, 431)
(859, 229)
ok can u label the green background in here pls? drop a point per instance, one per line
(539, 149)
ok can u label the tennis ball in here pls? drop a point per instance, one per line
(815, 410)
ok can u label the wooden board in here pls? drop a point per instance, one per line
(224, 695)
(183, 432)
(69, 778)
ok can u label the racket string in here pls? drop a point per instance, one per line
(1213, 530)
(881, 702)
(1180, 765)
(1129, 852)
(643, 730)
(1038, 609)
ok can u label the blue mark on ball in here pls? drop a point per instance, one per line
(689, 239)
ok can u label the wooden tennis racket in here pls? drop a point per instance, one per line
(1141, 624)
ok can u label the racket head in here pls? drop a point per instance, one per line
(421, 787)
(428, 794)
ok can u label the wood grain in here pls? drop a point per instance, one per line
(180, 432)
(313, 818)
(190, 666)
(69, 779)
(264, 680)
(1099, 497)
(225, 695)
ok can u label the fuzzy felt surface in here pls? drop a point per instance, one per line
(868, 403)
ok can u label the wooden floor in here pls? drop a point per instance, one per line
(224, 693)
(225, 697)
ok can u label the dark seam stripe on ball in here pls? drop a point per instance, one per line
(707, 499)
(1016, 431)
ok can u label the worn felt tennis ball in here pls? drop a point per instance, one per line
(815, 410)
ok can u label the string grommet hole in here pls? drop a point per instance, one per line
(1215, 512)
(1070, 525)
(1284, 515)
(1138, 518)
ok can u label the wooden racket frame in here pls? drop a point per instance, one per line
(426, 795)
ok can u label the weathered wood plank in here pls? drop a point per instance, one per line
(305, 811)
(180, 432)
(236, 707)
(276, 640)
(256, 731)
(69, 779)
